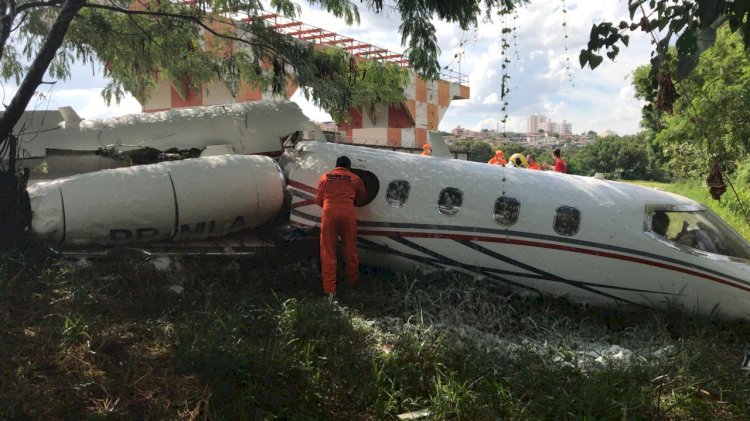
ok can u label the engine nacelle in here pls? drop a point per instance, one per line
(170, 201)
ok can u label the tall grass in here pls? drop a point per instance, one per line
(728, 208)
(256, 341)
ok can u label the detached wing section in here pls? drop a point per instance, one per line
(247, 128)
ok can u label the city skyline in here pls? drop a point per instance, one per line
(537, 123)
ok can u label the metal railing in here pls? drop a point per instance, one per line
(319, 36)
(455, 77)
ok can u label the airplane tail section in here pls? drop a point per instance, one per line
(70, 117)
(439, 147)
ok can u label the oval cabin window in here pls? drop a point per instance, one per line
(506, 210)
(450, 200)
(567, 220)
(398, 192)
(372, 185)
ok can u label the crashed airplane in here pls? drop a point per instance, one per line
(594, 241)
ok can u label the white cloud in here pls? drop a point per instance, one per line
(539, 72)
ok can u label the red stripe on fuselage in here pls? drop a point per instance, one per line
(573, 249)
(600, 253)
(303, 203)
(303, 187)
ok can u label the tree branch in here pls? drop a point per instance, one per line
(26, 6)
(8, 10)
(39, 66)
(192, 18)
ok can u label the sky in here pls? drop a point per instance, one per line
(540, 80)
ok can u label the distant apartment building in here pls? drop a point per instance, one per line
(459, 131)
(551, 127)
(538, 122)
(535, 123)
(566, 129)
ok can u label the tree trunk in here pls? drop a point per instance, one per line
(13, 195)
(39, 67)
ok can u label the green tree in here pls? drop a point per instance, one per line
(690, 25)
(711, 117)
(477, 150)
(190, 43)
(625, 157)
(167, 38)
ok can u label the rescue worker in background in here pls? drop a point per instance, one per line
(338, 190)
(532, 164)
(498, 159)
(560, 165)
(427, 149)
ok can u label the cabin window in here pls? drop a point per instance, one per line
(698, 230)
(398, 192)
(567, 220)
(450, 201)
(506, 210)
(372, 185)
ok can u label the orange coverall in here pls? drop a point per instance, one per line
(337, 191)
(535, 166)
(498, 159)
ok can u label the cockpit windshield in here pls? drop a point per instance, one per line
(699, 230)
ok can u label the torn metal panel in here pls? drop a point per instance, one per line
(250, 128)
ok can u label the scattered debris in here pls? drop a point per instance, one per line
(177, 289)
(414, 415)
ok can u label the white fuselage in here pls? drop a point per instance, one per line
(245, 128)
(605, 256)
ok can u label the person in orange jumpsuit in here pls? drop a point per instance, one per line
(533, 165)
(426, 149)
(337, 192)
(498, 159)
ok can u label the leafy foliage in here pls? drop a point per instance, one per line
(710, 121)
(477, 150)
(690, 24)
(376, 83)
(693, 22)
(625, 157)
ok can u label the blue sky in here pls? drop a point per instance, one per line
(539, 79)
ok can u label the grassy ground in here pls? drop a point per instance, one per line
(229, 339)
(727, 208)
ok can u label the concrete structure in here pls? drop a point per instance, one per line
(538, 122)
(405, 125)
(566, 129)
(535, 123)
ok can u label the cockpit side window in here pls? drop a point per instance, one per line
(567, 220)
(398, 193)
(372, 185)
(450, 200)
(506, 210)
(698, 230)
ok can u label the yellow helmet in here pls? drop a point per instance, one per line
(518, 160)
